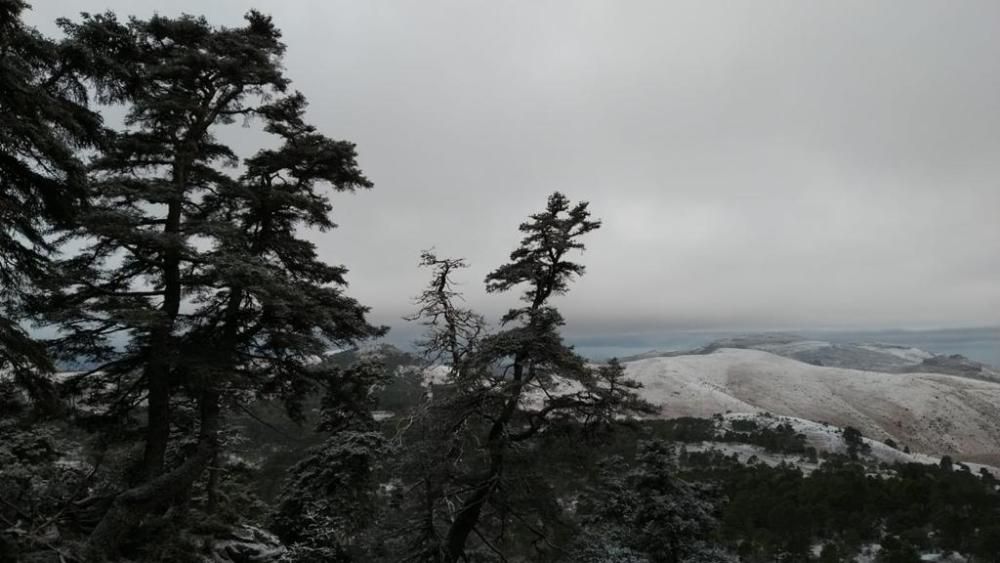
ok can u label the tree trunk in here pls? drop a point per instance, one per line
(157, 374)
(131, 506)
(158, 362)
(468, 515)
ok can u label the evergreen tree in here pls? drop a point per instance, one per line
(181, 79)
(329, 499)
(855, 442)
(194, 291)
(44, 121)
(528, 360)
(644, 513)
(505, 388)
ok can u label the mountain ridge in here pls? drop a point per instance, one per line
(865, 356)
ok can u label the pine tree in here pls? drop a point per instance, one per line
(645, 514)
(44, 121)
(507, 387)
(201, 274)
(269, 304)
(329, 498)
(272, 307)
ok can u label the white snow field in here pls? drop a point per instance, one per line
(931, 413)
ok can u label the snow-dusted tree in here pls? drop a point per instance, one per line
(266, 307)
(503, 389)
(204, 276)
(181, 80)
(528, 376)
(644, 513)
(433, 433)
(329, 499)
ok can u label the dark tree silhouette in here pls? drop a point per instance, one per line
(204, 276)
(502, 389)
(529, 359)
(44, 121)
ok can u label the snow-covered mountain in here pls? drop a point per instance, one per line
(868, 356)
(932, 413)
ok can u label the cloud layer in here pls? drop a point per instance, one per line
(783, 164)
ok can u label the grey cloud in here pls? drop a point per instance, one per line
(757, 165)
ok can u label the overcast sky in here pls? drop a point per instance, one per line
(757, 165)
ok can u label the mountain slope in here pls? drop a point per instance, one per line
(863, 356)
(869, 356)
(932, 413)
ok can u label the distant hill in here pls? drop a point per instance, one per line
(871, 356)
(937, 405)
(933, 413)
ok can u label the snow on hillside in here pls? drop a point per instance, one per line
(931, 413)
(864, 356)
(829, 438)
(909, 355)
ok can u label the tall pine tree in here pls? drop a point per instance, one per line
(505, 388)
(194, 288)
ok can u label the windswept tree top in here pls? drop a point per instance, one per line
(504, 389)
(540, 260)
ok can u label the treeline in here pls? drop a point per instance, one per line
(645, 488)
(779, 438)
(779, 512)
